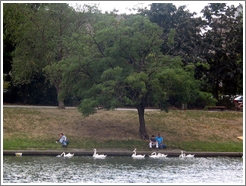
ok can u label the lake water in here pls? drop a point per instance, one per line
(122, 169)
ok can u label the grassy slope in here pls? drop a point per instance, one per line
(25, 128)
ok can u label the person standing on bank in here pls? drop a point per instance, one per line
(159, 139)
(63, 140)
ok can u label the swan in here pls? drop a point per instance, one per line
(183, 155)
(60, 155)
(190, 155)
(134, 155)
(95, 155)
(153, 155)
(162, 155)
(65, 155)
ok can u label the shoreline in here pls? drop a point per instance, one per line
(118, 153)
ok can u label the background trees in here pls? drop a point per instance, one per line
(214, 44)
(181, 36)
(39, 34)
(160, 56)
(182, 26)
(223, 44)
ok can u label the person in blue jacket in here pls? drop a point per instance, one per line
(160, 141)
(63, 140)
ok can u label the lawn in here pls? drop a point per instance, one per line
(190, 130)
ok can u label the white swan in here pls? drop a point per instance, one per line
(162, 155)
(190, 156)
(95, 155)
(65, 155)
(159, 155)
(134, 155)
(183, 155)
(153, 155)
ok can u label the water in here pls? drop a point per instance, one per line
(114, 169)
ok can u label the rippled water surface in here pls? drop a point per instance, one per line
(85, 169)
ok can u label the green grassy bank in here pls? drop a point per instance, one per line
(27, 129)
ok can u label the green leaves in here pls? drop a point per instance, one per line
(87, 107)
(108, 60)
(112, 74)
(223, 47)
(171, 36)
(137, 83)
(126, 66)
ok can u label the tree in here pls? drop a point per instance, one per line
(8, 48)
(180, 25)
(126, 67)
(39, 36)
(223, 46)
(182, 36)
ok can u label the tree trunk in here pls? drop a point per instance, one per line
(142, 129)
(61, 103)
(26, 93)
(217, 90)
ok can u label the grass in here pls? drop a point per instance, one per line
(28, 128)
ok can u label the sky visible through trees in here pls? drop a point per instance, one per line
(124, 6)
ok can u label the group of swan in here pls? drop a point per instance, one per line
(95, 155)
(65, 155)
(134, 155)
(159, 155)
(183, 155)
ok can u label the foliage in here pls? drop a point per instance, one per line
(214, 44)
(39, 34)
(45, 39)
(181, 37)
(38, 92)
(223, 47)
(126, 68)
(181, 31)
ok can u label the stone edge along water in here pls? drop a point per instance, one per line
(117, 153)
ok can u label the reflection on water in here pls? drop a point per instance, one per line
(85, 169)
